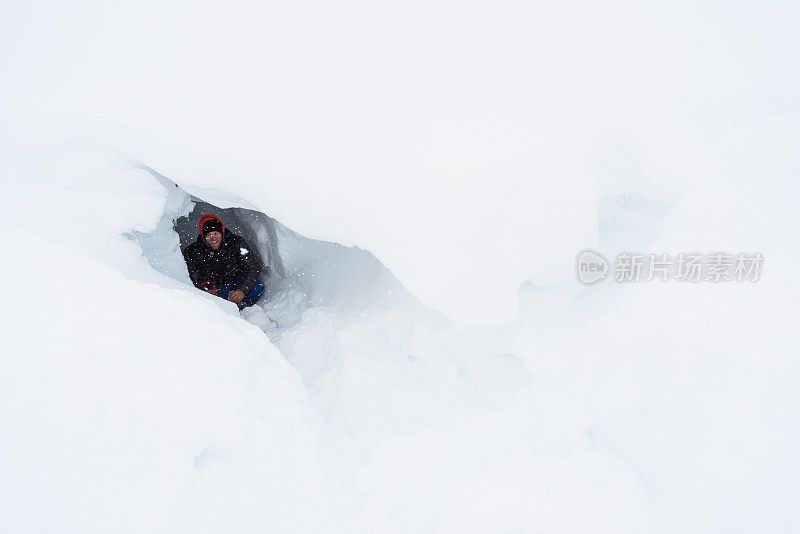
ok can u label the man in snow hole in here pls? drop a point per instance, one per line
(222, 264)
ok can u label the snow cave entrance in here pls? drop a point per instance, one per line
(298, 273)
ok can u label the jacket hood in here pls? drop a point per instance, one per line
(210, 217)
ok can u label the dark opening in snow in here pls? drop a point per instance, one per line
(298, 273)
(257, 229)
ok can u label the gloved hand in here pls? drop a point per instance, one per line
(209, 287)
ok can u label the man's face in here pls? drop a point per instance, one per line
(214, 239)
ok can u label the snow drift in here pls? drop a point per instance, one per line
(395, 164)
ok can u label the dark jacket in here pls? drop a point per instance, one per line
(221, 266)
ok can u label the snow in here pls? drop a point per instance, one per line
(448, 139)
(157, 408)
(419, 181)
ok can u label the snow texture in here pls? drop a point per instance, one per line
(417, 180)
